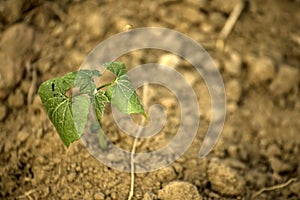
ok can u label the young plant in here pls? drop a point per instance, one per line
(68, 100)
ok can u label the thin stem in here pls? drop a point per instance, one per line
(145, 93)
(106, 85)
(275, 187)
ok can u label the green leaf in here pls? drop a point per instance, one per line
(100, 101)
(67, 113)
(121, 93)
(85, 81)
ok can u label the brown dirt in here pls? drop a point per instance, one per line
(260, 142)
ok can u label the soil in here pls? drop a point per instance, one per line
(260, 65)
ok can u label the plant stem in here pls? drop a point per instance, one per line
(106, 85)
(102, 139)
(145, 93)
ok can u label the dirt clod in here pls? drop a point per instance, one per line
(179, 190)
(16, 100)
(259, 66)
(11, 73)
(260, 69)
(286, 79)
(17, 41)
(224, 179)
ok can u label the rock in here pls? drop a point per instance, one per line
(279, 166)
(233, 65)
(260, 69)
(207, 27)
(178, 190)
(99, 196)
(233, 90)
(190, 76)
(225, 180)
(87, 195)
(3, 112)
(287, 78)
(87, 185)
(71, 177)
(89, 16)
(16, 100)
(10, 75)
(17, 41)
(231, 107)
(169, 60)
(69, 42)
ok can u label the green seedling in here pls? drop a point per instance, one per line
(69, 99)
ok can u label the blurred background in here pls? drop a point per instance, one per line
(259, 61)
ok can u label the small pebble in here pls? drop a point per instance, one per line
(87, 195)
(99, 196)
(87, 185)
(69, 42)
(178, 190)
(233, 90)
(287, 78)
(169, 60)
(231, 107)
(71, 176)
(3, 112)
(207, 27)
(233, 65)
(78, 168)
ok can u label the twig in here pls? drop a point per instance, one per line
(32, 87)
(27, 194)
(275, 187)
(133, 150)
(234, 15)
